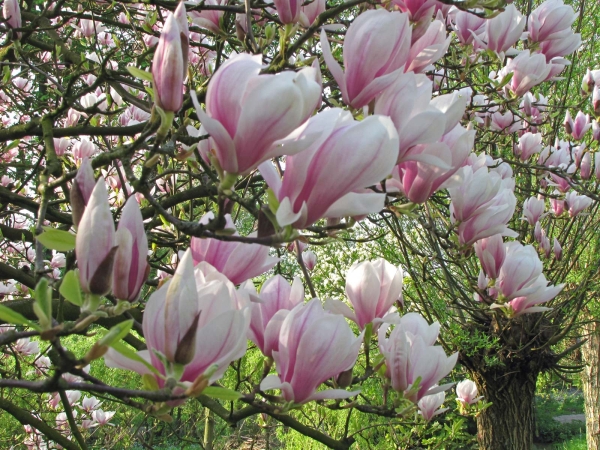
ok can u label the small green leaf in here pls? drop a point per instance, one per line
(221, 393)
(13, 144)
(505, 80)
(10, 316)
(58, 240)
(70, 289)
(139, 73)
(128, 353)
(272, 201)
(116, 333)
(43, 304)
(149, 382)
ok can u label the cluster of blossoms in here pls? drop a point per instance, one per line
(198, 322)
(86, 412)
(108, 260)
(512, 275)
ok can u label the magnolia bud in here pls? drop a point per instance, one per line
(95, 244)
(169, 66)
(11, 11)
(344, 379)
(81, 190)
(568, 123)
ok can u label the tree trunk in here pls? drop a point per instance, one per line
(509, 422)
(590, 377)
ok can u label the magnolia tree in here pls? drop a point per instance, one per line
(138, 137)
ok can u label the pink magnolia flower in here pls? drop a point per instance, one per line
(466, 24)
(491, 218)
(310, 12)
(538, 232)
(540, 293)
(288, 10)
(131, 268)
(277, 298)
(58, 260)
(328, 178)
(596, 107)
(551, 20)
(577, 203)
(533, 210)
(550, 26)
(89, 404)
(557, 248)
(169, 65)
(89, 27)
(504, 30)
(477, 188)
(11, 11)
(26, 347)
(376, 50)
(81, 189)
(373, 287)
(586, 166)
(103, 417)
(528, 71)
(522, 282)
(428, 48)
(313, 346)
(240, 139)
(416, 9)
(491, 253)
(411, 357)
(428, 405)
(418, 118)
(238, 261)
(568, 123)
(521, 268)
(191, 320)
(529, 145)
(580, 125)
(95, 243)
(207, 18)
(84, 149)
(61, 145)
(310, 259)
(502, 122)
(62, 423)
(556, 48)
(466, 392)
(429, 166)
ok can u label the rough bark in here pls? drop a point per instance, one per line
(509, 422)
(590, 378)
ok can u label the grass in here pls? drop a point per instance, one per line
(575, 443)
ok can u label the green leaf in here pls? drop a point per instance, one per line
(43, 303)
(272, 201)
(149, 382)
(505, 80)
(116, 333)
(139, 73)
(70, 289)
(128, 353)
(58, 240)
(12, 145)
(10, 316)
(221, 393)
